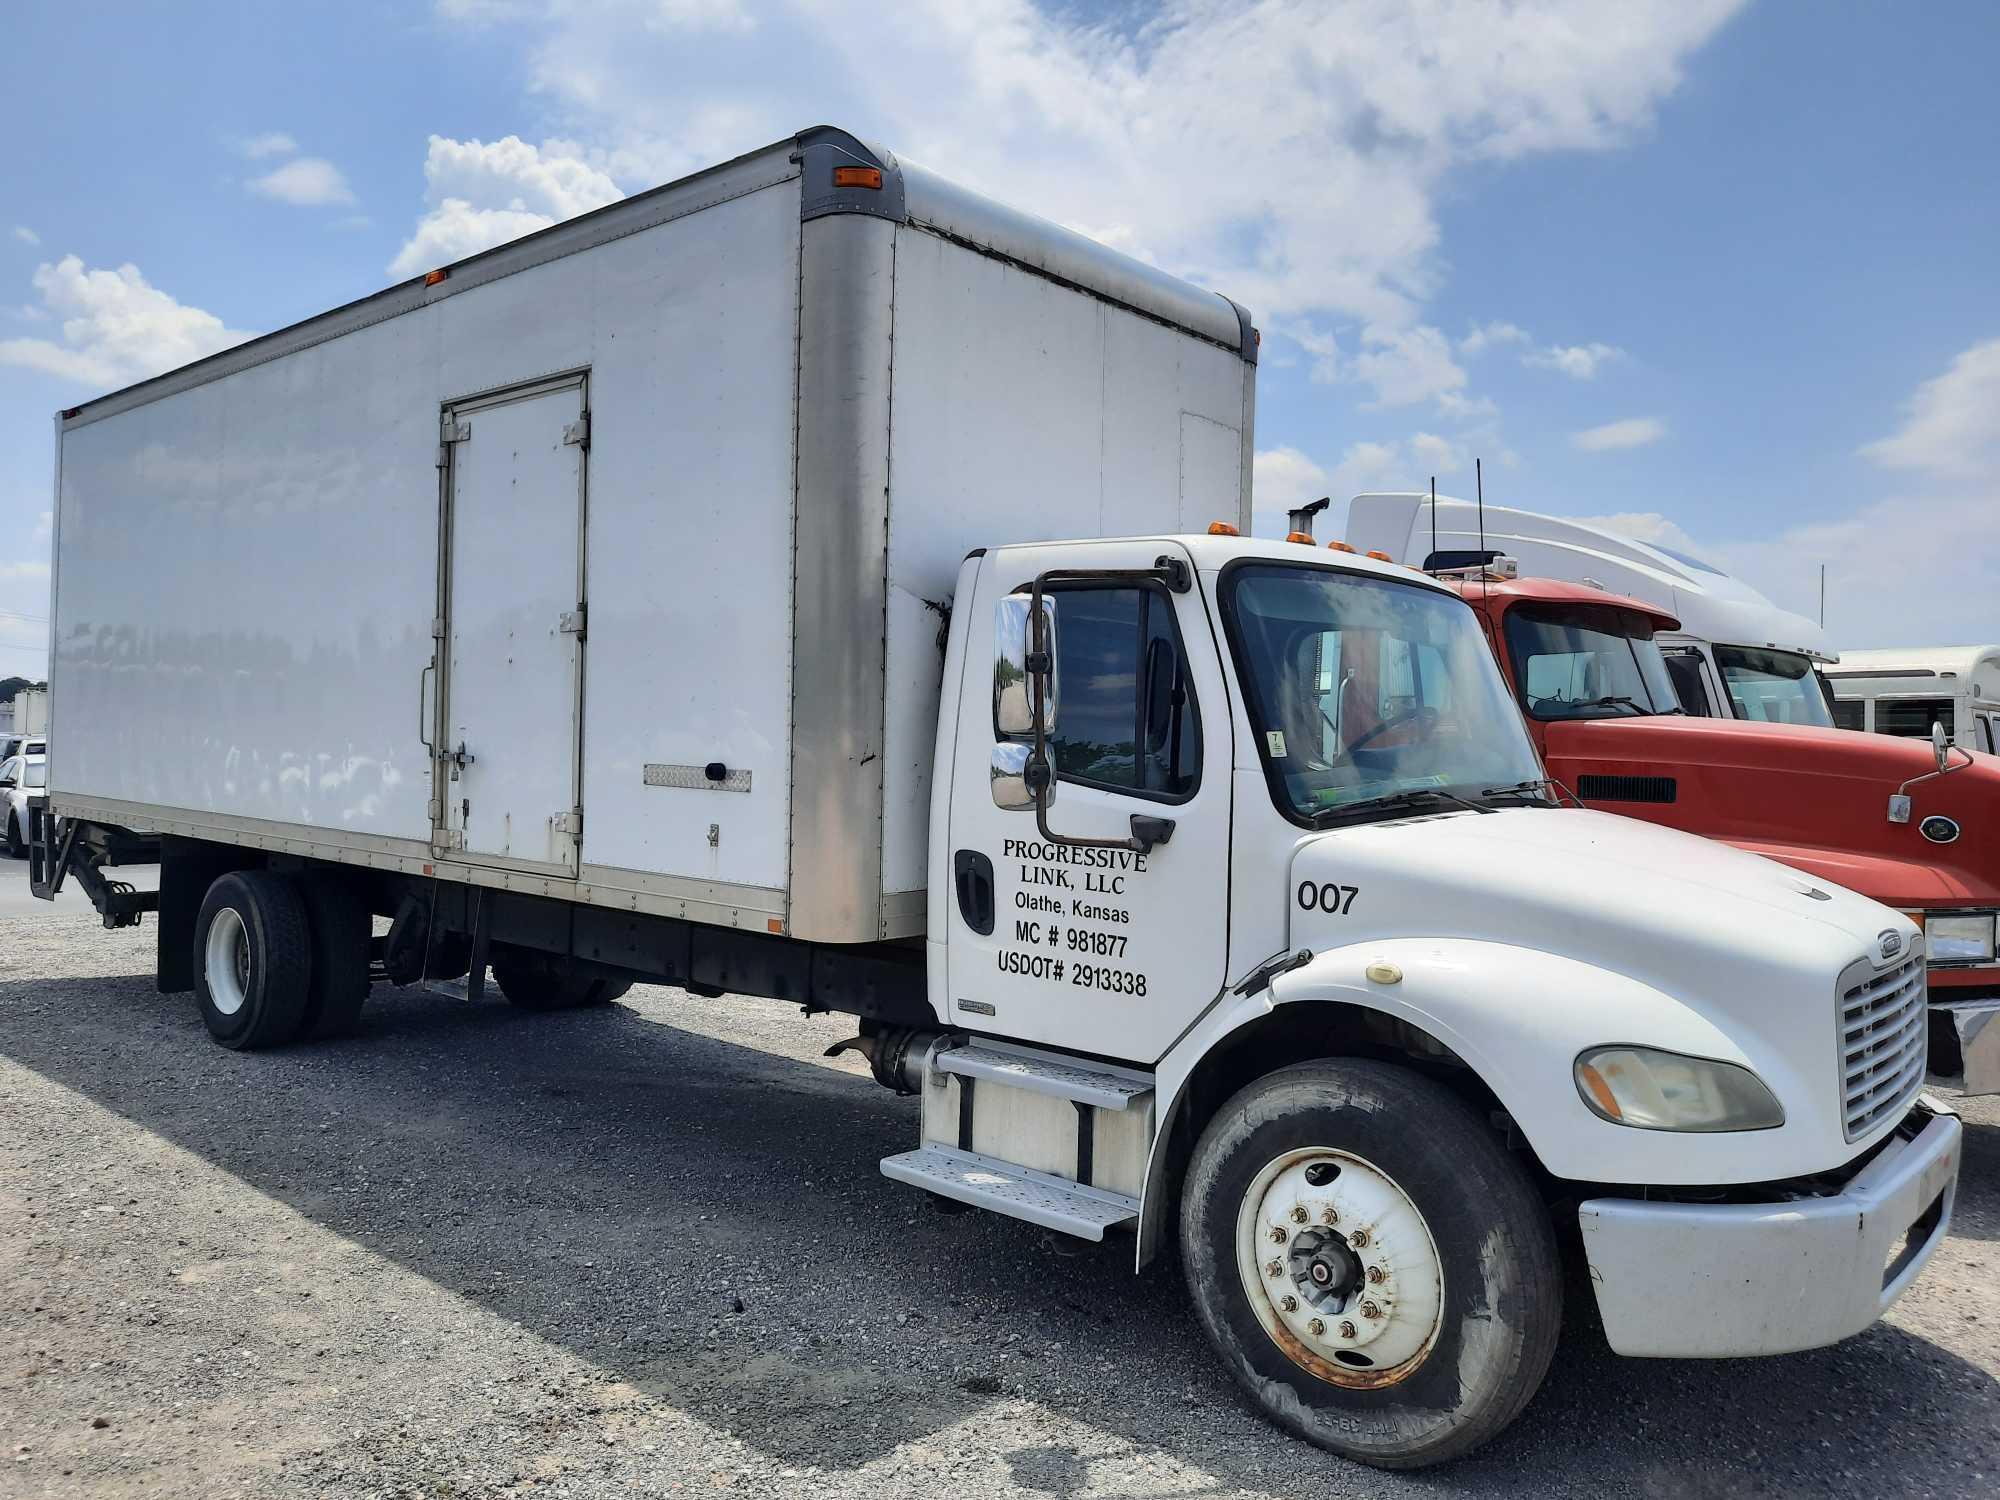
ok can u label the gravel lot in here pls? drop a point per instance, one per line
(646, 1250)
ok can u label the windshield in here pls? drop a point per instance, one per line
(1361, 687)
(1576, 662)
(1776, 687)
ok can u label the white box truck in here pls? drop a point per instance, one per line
(797, 581)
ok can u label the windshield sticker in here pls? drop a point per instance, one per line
(1275, 743)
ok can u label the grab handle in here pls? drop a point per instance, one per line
(423, 704)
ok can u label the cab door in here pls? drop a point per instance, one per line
(1111, 951)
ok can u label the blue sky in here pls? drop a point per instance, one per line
(1724, 272)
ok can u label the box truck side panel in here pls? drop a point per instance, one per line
(248, 582)
(690, 536)
(254, 567)
(1028, 409)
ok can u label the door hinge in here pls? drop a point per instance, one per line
(569, 822)
(451, 838)
(450, 431)
(437, 627)
(578, 432)
(574, 622)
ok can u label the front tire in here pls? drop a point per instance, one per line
(532, 980)
(252, 960)
(1376, 1271)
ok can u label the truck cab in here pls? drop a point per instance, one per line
(1255, 918)
(1590, 672)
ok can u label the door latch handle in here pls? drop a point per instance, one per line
(461, 757)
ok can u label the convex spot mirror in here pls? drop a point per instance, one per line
(1013, 787)
(1940, 746)
(1013, 685)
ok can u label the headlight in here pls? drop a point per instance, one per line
(1655, 1090)
(1961, 937)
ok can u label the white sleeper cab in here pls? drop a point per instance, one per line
(580, 609)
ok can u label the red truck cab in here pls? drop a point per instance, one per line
(1602, 709)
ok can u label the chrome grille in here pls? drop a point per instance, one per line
(1884, 1035)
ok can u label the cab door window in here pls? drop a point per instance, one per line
(1127, 720)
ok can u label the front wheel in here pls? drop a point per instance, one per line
(1376, 1271)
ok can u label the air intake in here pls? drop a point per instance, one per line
(1626, 788)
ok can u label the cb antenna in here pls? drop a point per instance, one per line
(1479, 480)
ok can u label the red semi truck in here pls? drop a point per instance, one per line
(1600, 703)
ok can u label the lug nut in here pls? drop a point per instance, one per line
(1347, 1330)
(1316, 1327)
(1329, 1215)
(1358, 1239)
(1370, 1310)
(1375, 1275)
(1274, 1268)
(1277, 1234)
(1299, 1215)
(1289, 1303)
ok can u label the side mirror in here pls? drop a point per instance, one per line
(1013, 786)
(1939, 746)
(1013, 684)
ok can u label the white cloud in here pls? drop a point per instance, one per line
(309, 182)
(485, 193)
(1633, 432)
(116, 327)
(1950, 428)
(273, 143)
(1578, 361)
(1304, 189)
(26, 235)
(1490, 336)
(1284, 477)
(1440, 455)
(1407, 365)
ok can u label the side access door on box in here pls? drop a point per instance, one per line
(508, 766)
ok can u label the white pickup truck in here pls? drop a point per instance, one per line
(843, 538)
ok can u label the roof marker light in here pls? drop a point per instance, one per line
(1338, 547)
(432, 278)
(861, 177)
(1380, 556)
(1304, 538)
(1222, 528)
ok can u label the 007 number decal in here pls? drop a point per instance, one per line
(1334, 900)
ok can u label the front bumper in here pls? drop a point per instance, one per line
(1715, 1281)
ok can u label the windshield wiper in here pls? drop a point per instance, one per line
(1414, 797)
(1538, 784)
(1609, 700)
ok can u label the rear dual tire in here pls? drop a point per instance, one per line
(1375, 1270)
(277, 957)
(533, 980)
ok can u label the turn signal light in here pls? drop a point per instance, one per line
(1338, 547)
(861, 177)
(1305, 537)
(1222, 528)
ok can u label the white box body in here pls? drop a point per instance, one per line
(286, 590)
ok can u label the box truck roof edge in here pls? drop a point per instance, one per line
(905, 193)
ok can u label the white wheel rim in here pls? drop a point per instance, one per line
(227, 962)
(1340, 1267)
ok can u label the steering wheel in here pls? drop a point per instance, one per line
(1421, 713)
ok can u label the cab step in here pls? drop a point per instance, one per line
(1039, 1198)
(1101, 1087)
